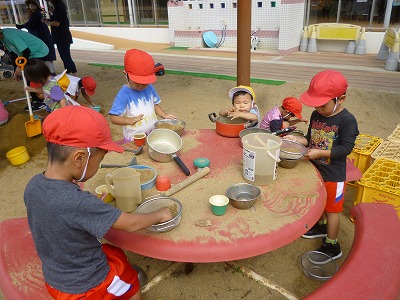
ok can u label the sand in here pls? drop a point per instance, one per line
(192, 99)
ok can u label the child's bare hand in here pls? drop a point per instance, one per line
(235, 114)
(304, 120)
(136, 119)
(169, 116)
(166, 214)
(29, 89)
(313, 154)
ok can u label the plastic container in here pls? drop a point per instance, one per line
(260, 157)
(96, 107)
(380, 184)
(18, 156)
(360, 157)
(219, 204)
(395, 136)
(387, 149)
(210, 39)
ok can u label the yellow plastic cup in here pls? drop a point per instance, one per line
(18, 156)
(101, 190)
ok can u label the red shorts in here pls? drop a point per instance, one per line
(334, 196)
(121, 282)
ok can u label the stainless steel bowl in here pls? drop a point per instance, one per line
(173, 124)
(288, 163)
(243, 195)
(155, 204)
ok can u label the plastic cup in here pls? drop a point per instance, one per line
(163, 183)
(101, 190)
(139, 139)
(219, 203)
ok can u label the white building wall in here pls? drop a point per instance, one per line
(290, 26)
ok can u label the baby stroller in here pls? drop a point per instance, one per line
(6, 65)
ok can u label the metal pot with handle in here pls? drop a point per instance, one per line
(162, 145)
(227, 127)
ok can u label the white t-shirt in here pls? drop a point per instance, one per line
(131, 103)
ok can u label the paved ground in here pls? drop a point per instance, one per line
(362, 71)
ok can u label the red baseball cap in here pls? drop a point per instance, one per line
(89, 84)
(294, 106)
(139, 66)
(324, 86)
(79, 126)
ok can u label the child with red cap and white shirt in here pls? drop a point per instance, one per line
(77, 86)
(67, 223)
(280, 116)
(137, 103)
(331, 136)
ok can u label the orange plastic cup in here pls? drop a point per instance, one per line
(163, 183)
(139, 139)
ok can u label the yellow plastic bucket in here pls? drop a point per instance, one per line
(18, 156)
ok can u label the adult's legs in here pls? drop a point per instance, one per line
(65, 54)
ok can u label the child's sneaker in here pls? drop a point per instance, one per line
(317, 231)
(332, 250)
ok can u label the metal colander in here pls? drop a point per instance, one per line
(155, 204)
(292, 149)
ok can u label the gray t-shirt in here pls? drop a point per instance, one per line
(66, 224)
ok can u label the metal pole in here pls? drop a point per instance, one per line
(339, 9)
(14, 12)
(388, 13)
(130, 13)
(243, 42)
(371, 17)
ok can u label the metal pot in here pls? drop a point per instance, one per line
(162, 145)
(227, 127)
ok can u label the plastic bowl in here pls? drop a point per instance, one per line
(155, 204)
(18, 156)
(96, 107)
(243, 195)
(292, 150)
(149, 184)
(318, 265)
(210, 39)
(173, 124)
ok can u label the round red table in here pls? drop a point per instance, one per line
(286, 209)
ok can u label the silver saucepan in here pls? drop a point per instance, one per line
(162, 145)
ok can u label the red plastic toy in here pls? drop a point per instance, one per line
(159, 69)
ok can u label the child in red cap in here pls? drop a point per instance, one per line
(137, 103)
(280, 116)
(331, 136)
(67, 223)
(77, 86)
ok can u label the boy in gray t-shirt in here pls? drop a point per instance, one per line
(67, 223)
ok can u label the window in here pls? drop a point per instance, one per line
(259, 4)
(222, 5)
(211, 5)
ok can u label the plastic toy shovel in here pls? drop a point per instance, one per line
(33, 127)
